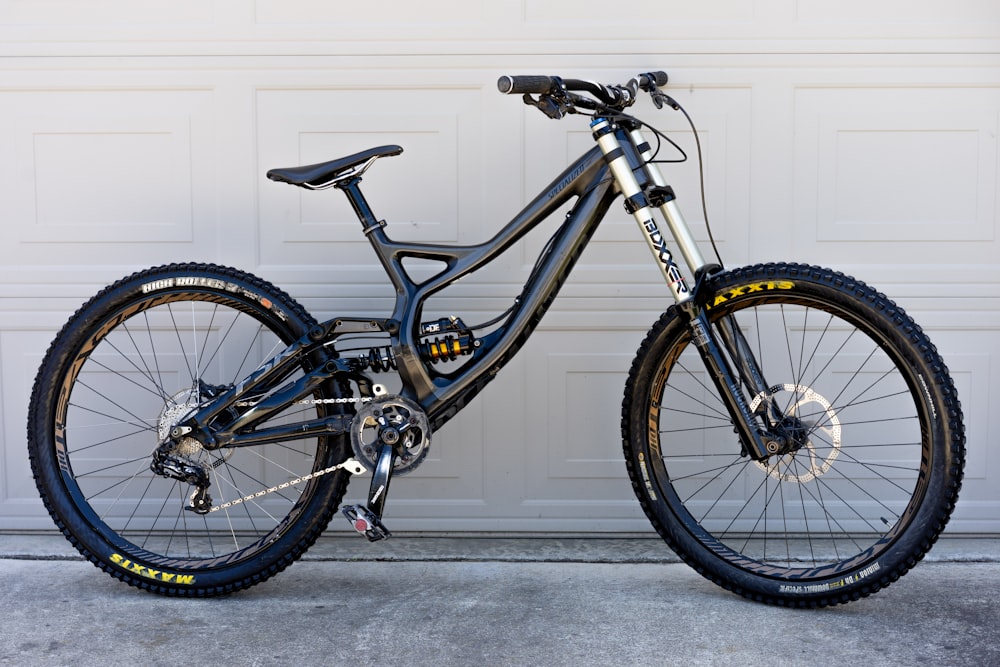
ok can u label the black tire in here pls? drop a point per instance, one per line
(116, 377)
(867, 494)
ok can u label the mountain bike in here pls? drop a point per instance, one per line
(789, 431)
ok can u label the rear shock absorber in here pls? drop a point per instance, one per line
(449, 346)
(446, 348)
(440, 348)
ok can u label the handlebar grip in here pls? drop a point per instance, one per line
(650, 81)
(659, 78)
(513, 85)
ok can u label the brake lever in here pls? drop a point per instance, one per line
(660, 98)
(546, 105)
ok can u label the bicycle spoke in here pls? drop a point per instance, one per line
(831, 495)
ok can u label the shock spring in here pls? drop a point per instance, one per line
(381, 359)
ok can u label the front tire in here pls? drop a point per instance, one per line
(869, 487)
(129, 365)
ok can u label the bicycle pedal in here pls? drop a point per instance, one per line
(364, 521)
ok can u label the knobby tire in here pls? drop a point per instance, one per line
(130, 363)
(876, 471)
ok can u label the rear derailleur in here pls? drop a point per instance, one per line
(175, 460)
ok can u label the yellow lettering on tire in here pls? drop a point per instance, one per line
(740, 290)
(150, 573)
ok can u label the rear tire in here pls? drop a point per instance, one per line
(125, 368)
(875, 478)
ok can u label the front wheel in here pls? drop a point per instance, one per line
(131, 364)
(876, 464)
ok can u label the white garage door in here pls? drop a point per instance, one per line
(852, 134)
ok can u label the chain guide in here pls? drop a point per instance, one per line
(395, 421)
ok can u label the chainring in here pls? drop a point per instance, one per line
(395, 421)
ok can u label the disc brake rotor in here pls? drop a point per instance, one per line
(174, 411)
(821, 447)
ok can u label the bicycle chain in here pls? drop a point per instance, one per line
(315, 401)
(351, 465)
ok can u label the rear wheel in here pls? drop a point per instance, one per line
(129, 366)
(875, 464)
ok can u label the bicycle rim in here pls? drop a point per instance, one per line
(138, 373)
(852, 486)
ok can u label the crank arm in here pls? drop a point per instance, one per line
(380, 480)
(367, 519)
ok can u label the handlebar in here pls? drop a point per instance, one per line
(651, 80)
(545, 85)
(560, 91)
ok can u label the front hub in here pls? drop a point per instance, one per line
(809, 431)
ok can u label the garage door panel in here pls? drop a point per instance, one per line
(106, 169)
(914, 167)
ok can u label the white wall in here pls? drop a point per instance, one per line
(853, 134)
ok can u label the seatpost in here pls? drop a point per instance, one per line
(351, 188)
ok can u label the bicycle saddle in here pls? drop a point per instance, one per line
(326, 174)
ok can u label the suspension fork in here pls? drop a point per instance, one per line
(619, 147)
(729, 331)
(750, 373)
(758, 442)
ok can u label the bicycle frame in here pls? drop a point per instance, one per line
(621, 163)
(443, 395)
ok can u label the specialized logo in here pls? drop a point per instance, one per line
(750, 288)
(150, 573)
(564, 183)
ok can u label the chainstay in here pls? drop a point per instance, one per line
(351, 465)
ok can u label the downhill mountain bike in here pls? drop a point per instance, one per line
(789, 431)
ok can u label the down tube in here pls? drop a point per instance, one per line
(572, 238)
